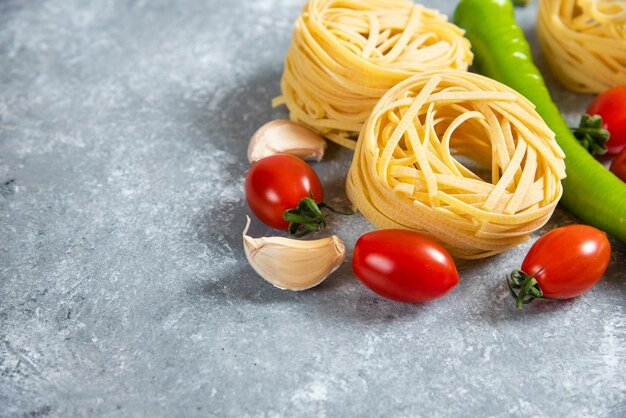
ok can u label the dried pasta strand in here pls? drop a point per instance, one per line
(584, 42)
(345, 54)
(409, 166)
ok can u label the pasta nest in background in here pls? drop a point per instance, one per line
(459, 157)
(584, 42)
(345, 54)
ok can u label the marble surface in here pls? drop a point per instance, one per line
(124, 290)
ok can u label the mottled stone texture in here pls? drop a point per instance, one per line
(124, 290)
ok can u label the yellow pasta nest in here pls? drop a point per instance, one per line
(584, 42)
(459, 157)
(345, 54)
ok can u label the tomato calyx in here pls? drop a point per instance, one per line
(527, 288)
(308, 217)
(592, 135)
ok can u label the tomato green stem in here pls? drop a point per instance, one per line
(592, 135)
(308, 217)
(528, 287)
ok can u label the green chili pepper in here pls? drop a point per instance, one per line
(501, 52)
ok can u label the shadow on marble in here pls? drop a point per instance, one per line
(233, 113)
(337, 299)
(217, 228)
(503, 309)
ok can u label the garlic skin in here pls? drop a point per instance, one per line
(293, 264)
(282, 136)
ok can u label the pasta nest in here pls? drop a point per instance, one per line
(345, 54)
(584, 42)
(459, 157)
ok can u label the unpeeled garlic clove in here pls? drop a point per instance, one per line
(282, 136)
(293, 264)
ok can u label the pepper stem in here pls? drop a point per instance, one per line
(308, 217)
(527, 288)
(591, 134)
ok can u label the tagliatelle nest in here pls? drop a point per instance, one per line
(410, 167)
(345, 54)
(584, 42)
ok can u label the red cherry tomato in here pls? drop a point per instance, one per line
(611, 105)
(277, 183)
(618, 166)
(568, 261)
(404, 265)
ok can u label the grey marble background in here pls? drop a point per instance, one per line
(124, 290)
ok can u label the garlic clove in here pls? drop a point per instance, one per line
(282, 136)
(293, 264)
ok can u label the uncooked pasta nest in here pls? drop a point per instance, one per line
(345, 54)
(584, 42)
(459, 157)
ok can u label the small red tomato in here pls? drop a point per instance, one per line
(404, 265)
(277, 183)
(564, 263)
(618, 166)
(611, 105)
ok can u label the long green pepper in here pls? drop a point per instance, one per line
(502, 53)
